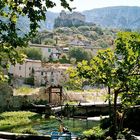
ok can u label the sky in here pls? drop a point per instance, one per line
(82, 5)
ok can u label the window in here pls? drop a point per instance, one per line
(49, 50)
(42, 73)
(19, 67)
(52, 80)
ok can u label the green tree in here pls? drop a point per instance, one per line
(33, 53)
(118, 70)
(74, 82)
(10, 37)
(80, 54)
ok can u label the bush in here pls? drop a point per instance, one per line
(64, 60)
(84, 28)
(26, 130)
(96, 133)
(33, 53)
(50, 41)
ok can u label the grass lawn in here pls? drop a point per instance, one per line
(19, 122)
(24, 90)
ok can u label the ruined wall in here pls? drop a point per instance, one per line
(9, 101)
(24, 100)
(68, 20)
(6, 96)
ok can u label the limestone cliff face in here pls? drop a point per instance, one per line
(116, 17)
(67, 20)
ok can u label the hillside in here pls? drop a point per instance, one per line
(123, 17)
(116, 17)
(84, 36)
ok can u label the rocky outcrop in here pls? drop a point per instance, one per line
(68, 20)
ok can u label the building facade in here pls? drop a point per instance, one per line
(51, 75)
(26, 69)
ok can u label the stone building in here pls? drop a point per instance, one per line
(42, 73)
(26, 69)
(51, 75)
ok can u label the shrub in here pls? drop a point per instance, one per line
(26, 130)
(49, 41)
(84, 28)
(64, 60)
(95, 133)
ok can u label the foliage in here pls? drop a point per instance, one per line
(13, 120)
(102, 44)
(80, 54)
(84, 28)
(33, 53)
(11, 36)
(91, 36)
(25, 130)
(74, 83)
(95, 133)
(63, 59)
(119, 70)
(49, 41)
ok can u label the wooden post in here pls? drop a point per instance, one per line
(49, 95)
(60, 95)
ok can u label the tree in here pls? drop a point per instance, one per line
(119, 70)
(74, 82)
(12, 37)
(33, 53)
(80, 54)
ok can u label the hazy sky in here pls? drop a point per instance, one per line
(82, 5)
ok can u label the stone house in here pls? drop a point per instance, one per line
(51, 75)
(26, 69)
(42, 73)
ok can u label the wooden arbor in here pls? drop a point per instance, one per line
(55, 90)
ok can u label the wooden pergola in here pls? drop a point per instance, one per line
(55, 90)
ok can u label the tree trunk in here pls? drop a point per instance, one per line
(115, 116)
(109, 102)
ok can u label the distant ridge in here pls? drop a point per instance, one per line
(115, 17)
(125, 17)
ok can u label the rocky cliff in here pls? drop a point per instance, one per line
(116, 17)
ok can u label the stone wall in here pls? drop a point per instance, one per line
(9, 101)
(34, 98)
(6, 96)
